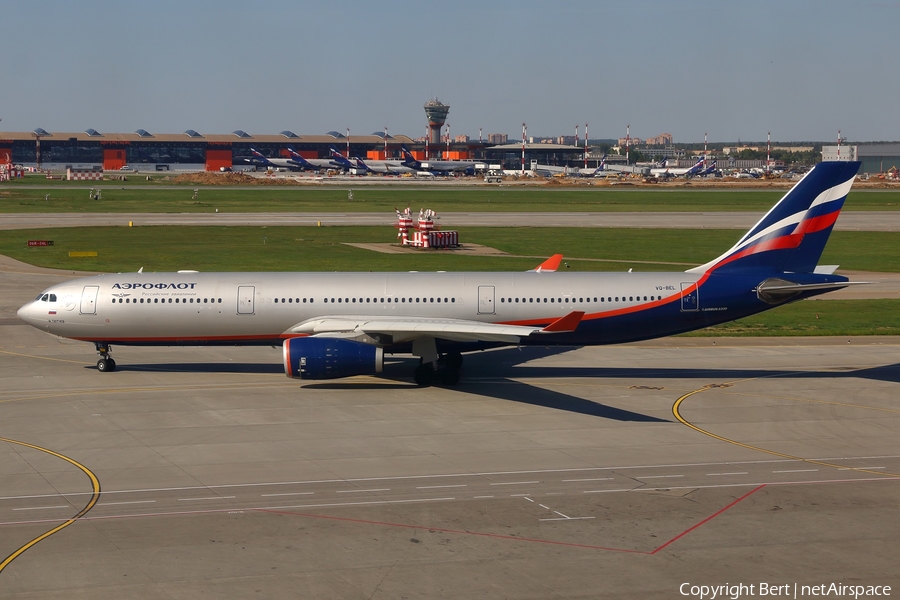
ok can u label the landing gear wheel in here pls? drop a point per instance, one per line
(111, 366)
(103, 365)
(424, 375)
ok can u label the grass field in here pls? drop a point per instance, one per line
(323, 249)
(383, 199)
(817, 317)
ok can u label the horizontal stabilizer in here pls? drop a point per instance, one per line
(777, 290)
(549, 265)
(826, 269)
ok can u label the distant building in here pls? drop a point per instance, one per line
(875, 158)
(663, 139)
(847, 153)
(497, 138)
(461, 139)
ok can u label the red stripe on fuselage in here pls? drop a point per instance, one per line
(611, 313)
(784, 242)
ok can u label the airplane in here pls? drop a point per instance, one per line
(333, 325)
(439, 166)
(317, 164)
(710, 169)
(275, 163)
(686, 172)
(384, 167)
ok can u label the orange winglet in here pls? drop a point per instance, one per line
(564, 324)
(549, 265)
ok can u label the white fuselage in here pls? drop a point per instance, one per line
(181, 308)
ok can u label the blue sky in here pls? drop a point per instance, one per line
(800, 69)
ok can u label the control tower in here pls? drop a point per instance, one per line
(437, 114)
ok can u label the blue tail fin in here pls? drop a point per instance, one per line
(793, 233)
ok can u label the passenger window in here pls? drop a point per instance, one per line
(452, 299)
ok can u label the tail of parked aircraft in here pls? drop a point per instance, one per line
(790, 238)
(408, 159)
(340, 158)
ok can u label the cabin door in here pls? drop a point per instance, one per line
(690, 298)
(485, 300)
(89, 300)
(245, 299)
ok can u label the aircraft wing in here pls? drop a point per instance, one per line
(387, 330)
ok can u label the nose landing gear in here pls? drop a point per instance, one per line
(106, 363)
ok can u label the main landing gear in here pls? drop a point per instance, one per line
(105, 363)
(445, 370)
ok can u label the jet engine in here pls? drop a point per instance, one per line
(330, 358)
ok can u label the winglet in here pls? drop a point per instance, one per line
(550, 265)
(565, 324)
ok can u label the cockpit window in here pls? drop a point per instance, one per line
(45, 297)
(52, 297)
(39, 296)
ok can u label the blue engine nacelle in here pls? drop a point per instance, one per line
(330, 358)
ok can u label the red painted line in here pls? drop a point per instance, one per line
(707, 519)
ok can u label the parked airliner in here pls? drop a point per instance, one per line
(341, 324)
(683, 172)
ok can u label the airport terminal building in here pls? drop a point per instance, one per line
(194, 151)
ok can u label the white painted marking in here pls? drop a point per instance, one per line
(656, 476)
(437, 487)
(478, 497)
(560, 514)
(515, 482)
(449, 475)
(597, 479)
(359, 491)
(529, 499)
(129, 502)
(545, 507)
(519, 496)
(568, 519)
(210, 498)
(42, 507)
(858, 468)
(735, 473)
(798, 471)
(288, 494)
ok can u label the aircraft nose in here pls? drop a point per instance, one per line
(26, 312)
